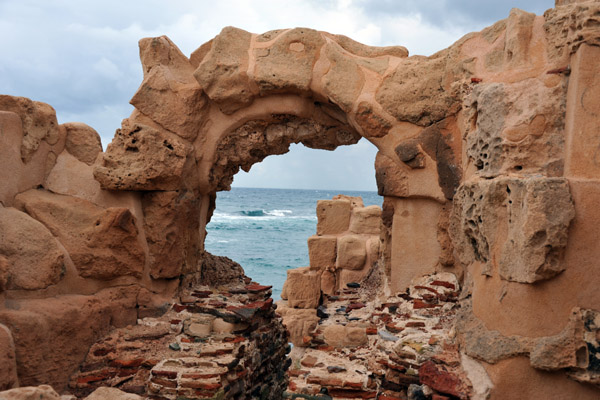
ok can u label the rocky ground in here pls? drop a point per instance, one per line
(400, 348)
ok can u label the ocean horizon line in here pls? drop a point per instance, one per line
(315, 189)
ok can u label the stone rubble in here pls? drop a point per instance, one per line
(215, 343)
(370, 348)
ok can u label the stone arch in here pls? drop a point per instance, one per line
(241, 97)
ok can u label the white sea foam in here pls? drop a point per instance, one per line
(259, 215)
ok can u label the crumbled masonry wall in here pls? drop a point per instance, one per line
(488, 163)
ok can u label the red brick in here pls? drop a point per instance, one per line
(353, 385)
(198, 376)
(209, 386)
(164, 382)
(257, 288)
(179, 307)
(415, 324)
(437, 378)
(444, 284)
(297, 372)
(98, 376)
(165, 374)
(432, 290)
(421, 304)
(372, 331)
(355, 306)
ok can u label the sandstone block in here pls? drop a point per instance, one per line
(287, 63)
(366, 220)
(143, 158)
(333, 216)
(526, 142)
(352, 252)
(328, 282)
(583, 108)
(171, 225)
(8, 359)
(32, 257)
(372, 123)
(363, 50)
(392, 180)
(199, 325)
(83, 142)
(415, 91)
(103, 243)
(344, 80)
(39, 123)
(42, 392)
(355, 201)
(18, 175)
(298, 322)
(219, 325)
(535, 213)
(322, 251)
(303, 288)
(222, 74)
(344, 336)
(169, 94)
(56, 333)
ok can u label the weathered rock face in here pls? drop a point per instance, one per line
(169, 215)
(30, 257)
(39, 123)
(169, 85)
(517, 227)
(82, 141)
(143, 158)
(103, 243)
(70, 324)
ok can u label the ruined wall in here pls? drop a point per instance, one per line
(488, 165)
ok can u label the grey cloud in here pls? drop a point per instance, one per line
(453, 12)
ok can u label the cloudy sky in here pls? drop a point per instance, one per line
(81, 57)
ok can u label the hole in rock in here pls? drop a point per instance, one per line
(264, 221)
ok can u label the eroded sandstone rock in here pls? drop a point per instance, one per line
(143, 158)
(70, 323)
(222, 74)
(31, 256)
(333, 216)
(288, 62)
(169, 94)
(171, 225)
(103, 243)
(39, 123)
(83, 142)
(535, 213)
(302, 288)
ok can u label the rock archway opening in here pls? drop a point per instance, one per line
(264, 220)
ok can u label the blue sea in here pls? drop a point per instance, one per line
(265, 230)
